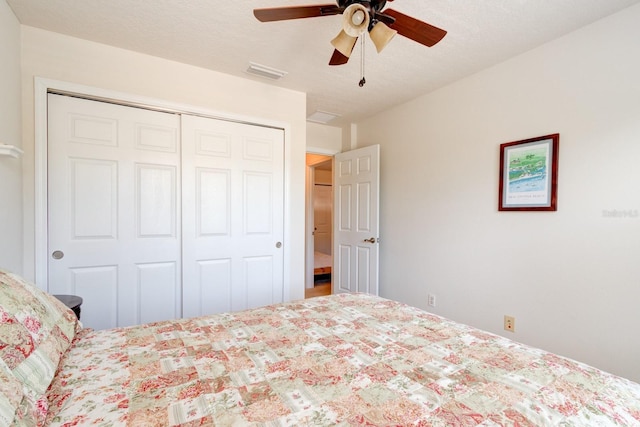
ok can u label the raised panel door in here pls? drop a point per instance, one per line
(234, 190)
(356, 179)
(114, 210)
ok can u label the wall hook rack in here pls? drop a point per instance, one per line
(10, 150)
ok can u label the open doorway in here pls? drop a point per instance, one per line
(319, 225)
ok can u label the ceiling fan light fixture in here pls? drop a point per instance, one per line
(355, 20)
(381, 35)
(344, 43)
(358, 17)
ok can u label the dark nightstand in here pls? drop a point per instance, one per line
(72, 301)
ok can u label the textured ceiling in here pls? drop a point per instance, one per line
(224, 36)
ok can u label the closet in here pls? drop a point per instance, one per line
(155, 215)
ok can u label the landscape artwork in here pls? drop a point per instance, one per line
(528, 169)
(528, 172)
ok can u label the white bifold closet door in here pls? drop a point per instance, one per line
(233, 190)
(147, 223)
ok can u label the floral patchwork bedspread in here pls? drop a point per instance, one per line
(345, 360)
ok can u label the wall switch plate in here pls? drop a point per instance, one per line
(431, 300)
(509, 323)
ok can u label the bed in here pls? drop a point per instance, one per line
(345, 360)
(322, 264)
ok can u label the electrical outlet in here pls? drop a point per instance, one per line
(509, 323)
(431, 300)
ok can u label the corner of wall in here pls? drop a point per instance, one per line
(11, 209)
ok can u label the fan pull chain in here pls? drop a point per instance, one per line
(362, 80)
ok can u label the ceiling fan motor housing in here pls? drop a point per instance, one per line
(372, 5)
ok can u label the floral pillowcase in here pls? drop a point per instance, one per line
(35, 331)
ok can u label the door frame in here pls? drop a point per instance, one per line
(42, 86)
(309, 217)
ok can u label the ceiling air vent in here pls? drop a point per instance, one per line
(264, 71)
(322, 117)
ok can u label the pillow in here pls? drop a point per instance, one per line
(35, 331)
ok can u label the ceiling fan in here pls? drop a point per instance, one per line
(359, 16)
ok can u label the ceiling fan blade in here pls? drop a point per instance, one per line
(295, 12)
(415, 29)
(338, 59)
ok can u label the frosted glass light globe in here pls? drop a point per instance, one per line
(357, 18)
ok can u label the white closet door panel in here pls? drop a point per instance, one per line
(259, 284)
(258, 149)
(156, 138)
(258, 207)
(93, 130)
(114, 204)
(157, 282)
(212, 143)
(94, 199)
(234, 191)
(213, 202)
(214, 283)
(156, 200)
(101, 283)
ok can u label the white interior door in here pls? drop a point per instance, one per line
(322, 221)
(356, 207)
(114, 210)
(233, 205)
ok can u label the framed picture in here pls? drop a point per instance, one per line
(529, 174)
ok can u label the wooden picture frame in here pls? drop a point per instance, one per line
(529, 174)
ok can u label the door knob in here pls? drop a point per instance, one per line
(371, 240)
(57, 255)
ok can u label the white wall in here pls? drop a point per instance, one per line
(571, 278)
(323, 139)
(54, 56)
(10, 133)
